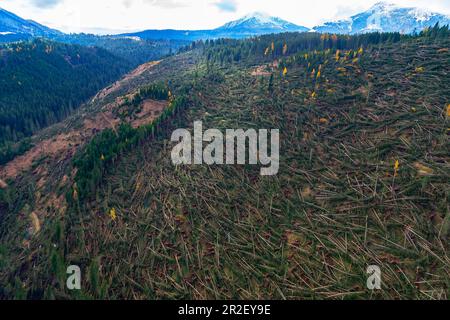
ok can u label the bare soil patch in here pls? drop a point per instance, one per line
(118, 84)
(150, 111)
(65, 144)
(261, 71)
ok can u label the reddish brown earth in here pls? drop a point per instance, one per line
(151, 109)
(118, 84)
(265, 70)
(66, 144)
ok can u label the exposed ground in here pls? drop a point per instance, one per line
(66, 144)
(119, 84)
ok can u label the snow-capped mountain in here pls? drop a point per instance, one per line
(386, 17)
(382, 17)
(258, 22)
(251, 25)
(12, 26)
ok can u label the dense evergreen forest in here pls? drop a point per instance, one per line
(41, 82)
(266, 48)
(136, 51)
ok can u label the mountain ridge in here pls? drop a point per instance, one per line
(12, 24)
(382, 17)
(253, 24)
(261, 21)
(385, 17)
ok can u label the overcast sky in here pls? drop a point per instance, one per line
(111, 16)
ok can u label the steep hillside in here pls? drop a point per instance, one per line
(42, 82)
(363, 178)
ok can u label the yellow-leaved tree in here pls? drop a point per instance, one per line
(113, 214)
(396, 167)
(338, 55)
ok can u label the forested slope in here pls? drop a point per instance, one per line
(42, 82)
(134, 50)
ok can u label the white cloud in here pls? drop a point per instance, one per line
(227, 5)
(127, 15)
(45, 3)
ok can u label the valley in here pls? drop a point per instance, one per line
(42, 82)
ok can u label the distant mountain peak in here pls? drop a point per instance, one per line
(11, 24)
(386, 17)
(384, 6)
(262, 21)
(256, 14)
(260, 16)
